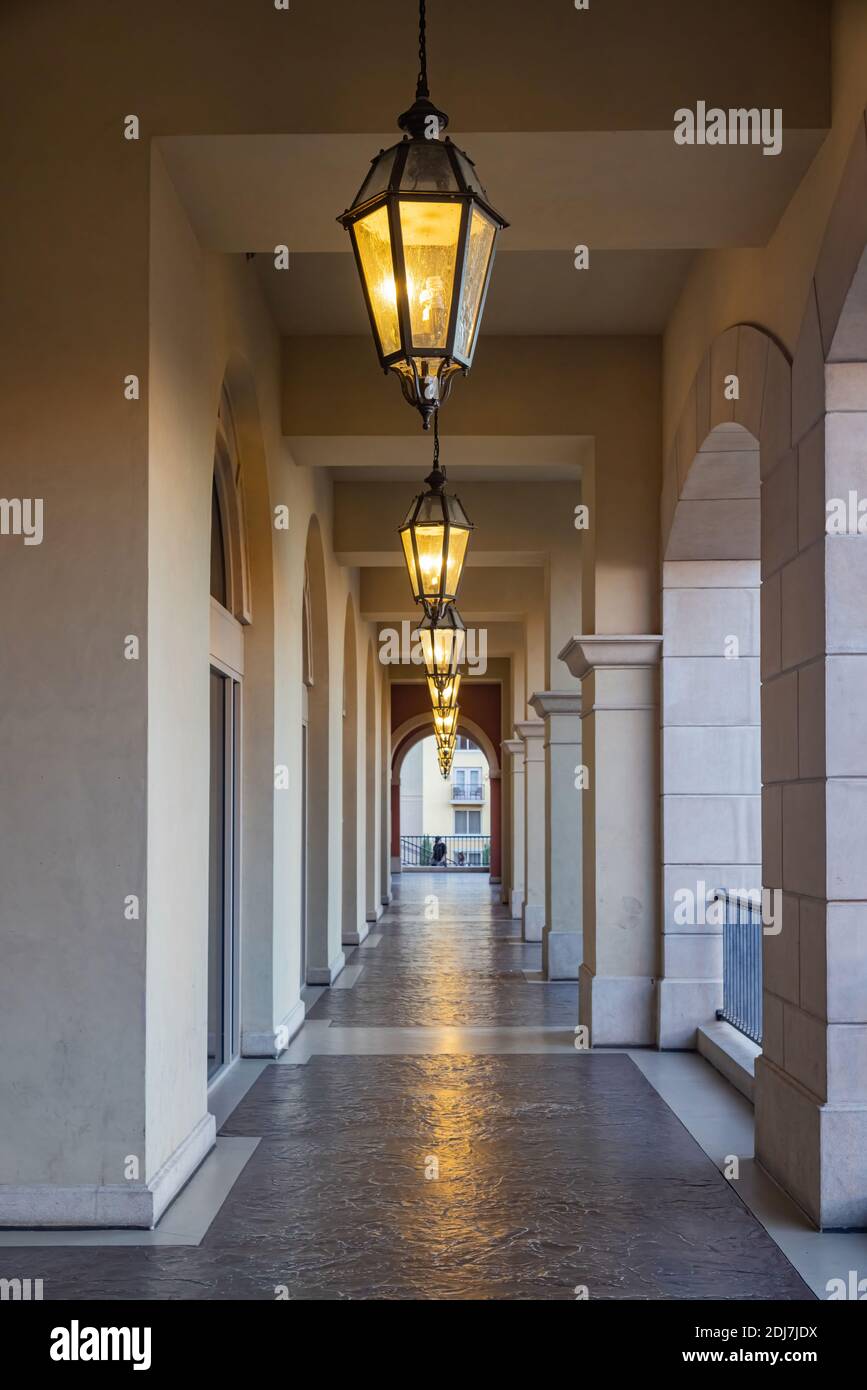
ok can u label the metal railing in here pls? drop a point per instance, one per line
(459, 851)
(467, 791)
(742, 963)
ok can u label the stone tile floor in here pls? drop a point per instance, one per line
(468, 1175)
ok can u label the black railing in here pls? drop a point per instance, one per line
(445, 851)
(467, 791)
(742, 964)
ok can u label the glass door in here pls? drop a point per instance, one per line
(223, 872)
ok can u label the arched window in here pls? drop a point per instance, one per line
(219, 575)
(230, 574)
(306, 643)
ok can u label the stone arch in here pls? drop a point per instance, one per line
(405, 737)
(351, 916)
(710, 721)
(719, 480)
(318, 687)
(419, 726)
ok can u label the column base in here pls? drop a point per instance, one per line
(375, 915)
(814, 1151)
(619, 1010)
(396, 865)
(355, 938)
(270, 1042)
(317, 975)
(131, 1206)
(532, 921)
(516, 903)
(562, 954)
(684, 1007)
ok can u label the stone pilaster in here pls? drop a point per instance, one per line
(515, 748)
(619, 738)
(562, 942)
(532, 733)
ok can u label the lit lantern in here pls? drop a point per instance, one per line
(442, 644)
(445, 763)
(424, 234)
(435, 536)
(445, 722)
(446, 747)
(444, 693)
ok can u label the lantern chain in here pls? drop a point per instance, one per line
(438, 467)
(422, 87)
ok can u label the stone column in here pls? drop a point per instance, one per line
(811, 1080)
(496, 864)
(562, 942)
(515, 748)
(396, 864)
(620, 736)
(532, 733)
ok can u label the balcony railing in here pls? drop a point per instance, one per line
(460, 851)
(742, 964)
(467, 791)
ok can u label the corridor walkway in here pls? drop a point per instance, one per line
(432, 1133)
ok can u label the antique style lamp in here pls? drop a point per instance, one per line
(424, 234)
(435, 536)
(445, 723)
(444, 693)
(442, 644)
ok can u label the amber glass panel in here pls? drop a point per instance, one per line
(442, 650)
(428, 169)
(445, 695)
(373, 240)
(458, 539)
(479, 248)
(430, 239)
(445, 723)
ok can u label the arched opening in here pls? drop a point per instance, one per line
(351, 924)
(315, 965)
(479, 762)
(444, 824)
(711, 754)
(229, 592)
(371, 901)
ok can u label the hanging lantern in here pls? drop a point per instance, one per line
(435, 536)
(445, 763)
(446, 722)
(446, 747)
(442, 644)
(444, 693)
(424, 234)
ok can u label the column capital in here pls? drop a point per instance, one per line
(530, 729)
(548, 702)
(590, 652)
(514, 746)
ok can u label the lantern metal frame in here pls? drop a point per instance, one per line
(445, 723)
(454, 517)
(450, 620)
(444, 691)
(417, 125)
